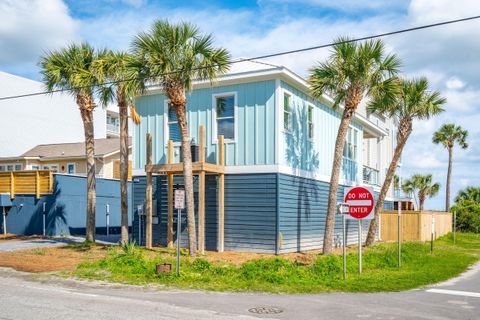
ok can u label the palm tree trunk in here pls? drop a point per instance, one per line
(188, 178)
(401, 141)
(332, 195)
(421, 199)
(449, 175)
(86, 111)
(122, 105)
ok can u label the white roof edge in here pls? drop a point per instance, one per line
(287, 75)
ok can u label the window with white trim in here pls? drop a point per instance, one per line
(35, 167)
(310, 122)
(2, 168)
(173, 127)
(225, 116)
(53, 167)
(71, 168)
(350, 149)
(287, 113)
(11, 167)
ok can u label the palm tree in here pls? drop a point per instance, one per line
(174, 55)
(470, 193)
(122, 74)
(414, 101)
(447, 135)
(70, 69)
(424, 186)
(352, 72)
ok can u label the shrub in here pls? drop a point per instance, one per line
(468, 216)
(129, 248)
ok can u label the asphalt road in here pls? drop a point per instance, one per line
(25, 296)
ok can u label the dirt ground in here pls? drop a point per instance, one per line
(14, 237)
(68, 257)
(49, 259)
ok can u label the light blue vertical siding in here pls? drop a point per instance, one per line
(315, 154)
(255, 140)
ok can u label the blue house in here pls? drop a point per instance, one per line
(278, 153)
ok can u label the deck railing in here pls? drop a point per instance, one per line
(37, 182)
(371, 176)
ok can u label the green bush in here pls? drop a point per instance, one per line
(468, 216)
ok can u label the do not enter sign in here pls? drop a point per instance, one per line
(360, 201)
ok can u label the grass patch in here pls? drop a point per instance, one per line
(279, 275)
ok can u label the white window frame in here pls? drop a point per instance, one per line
(3, 168)
(35, 167)
(74, 168)
(235, 116)
(6, 165)
(311, 133)
(355, 147)
(290, 108)
(49, 166)
(166, 129)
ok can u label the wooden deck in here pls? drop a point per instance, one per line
(36, 182)
(200, 168)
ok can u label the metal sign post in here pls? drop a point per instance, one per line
(359, 245)
(454, 225)
(361, 204)
(399, 234)
(179, 205)
(140, 213)
(433, 231)
(343, 210)
(44, 218)
(4, 221)
(107, 217)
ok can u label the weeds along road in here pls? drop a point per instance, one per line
(27, 296)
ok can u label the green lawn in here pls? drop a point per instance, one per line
(279, 275)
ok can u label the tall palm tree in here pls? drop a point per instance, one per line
(470, 193)
(448, 135)
(352, 72)
(122, 74)
(414, 101)
(424, 186)
(70, 69)
(174, 55)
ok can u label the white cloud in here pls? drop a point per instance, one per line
(27, 28)
(454, 83)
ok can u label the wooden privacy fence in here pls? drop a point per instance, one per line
(415, 225)
(116, 169)
(37, 182)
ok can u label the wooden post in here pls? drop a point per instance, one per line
(148, 231)
(12, 185)
(50, 181)
(170, 197)
(201, 194)
(37, 185)
(221, 203)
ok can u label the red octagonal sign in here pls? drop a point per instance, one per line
(360, 201)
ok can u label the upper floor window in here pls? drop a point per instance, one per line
(351, 145)
(287, 113)
(310, 122)
(225, 116)
(53, 167)
(71, 168)
(173, 128)
(11, 167)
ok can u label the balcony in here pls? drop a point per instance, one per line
(113, 129)
(371, 176)
(400, 194)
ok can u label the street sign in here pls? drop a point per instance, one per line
(180, 199)
(360, 202)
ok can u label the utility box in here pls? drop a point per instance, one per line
(5, 200)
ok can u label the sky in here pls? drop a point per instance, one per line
(447, 55)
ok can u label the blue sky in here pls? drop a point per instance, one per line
(447, 55)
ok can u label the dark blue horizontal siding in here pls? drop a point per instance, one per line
(250, 212)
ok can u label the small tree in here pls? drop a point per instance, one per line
(413, 101)
(448, 135)
(71, 69)
(423, 185)
(352, 72)
(470, 193)
(124, 80)
(174, 55)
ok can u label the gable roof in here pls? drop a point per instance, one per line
(103, 147)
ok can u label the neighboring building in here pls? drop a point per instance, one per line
(68, 158)
(278, 156)
(44, 119)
